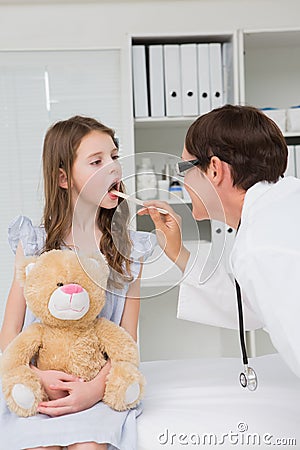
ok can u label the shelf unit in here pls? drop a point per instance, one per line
(165, 135)
(150, 122)
(269, 77)
(265, 72)
(270, 70)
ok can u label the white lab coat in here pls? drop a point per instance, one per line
(265, 260)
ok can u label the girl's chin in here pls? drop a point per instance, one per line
(108, 203)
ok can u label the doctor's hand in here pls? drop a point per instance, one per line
(168, 231)
(79, 395)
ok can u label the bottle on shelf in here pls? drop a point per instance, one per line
(146, 180)
(175, 189)
(164, 184)
(163, 189)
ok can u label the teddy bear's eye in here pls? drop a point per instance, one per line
(60, 284)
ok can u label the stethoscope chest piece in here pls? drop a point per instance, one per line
(248, 379)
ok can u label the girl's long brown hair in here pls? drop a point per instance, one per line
(60, 146)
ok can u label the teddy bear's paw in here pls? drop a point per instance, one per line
(23, 396)
(132, 393)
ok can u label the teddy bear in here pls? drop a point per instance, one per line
(66, 293)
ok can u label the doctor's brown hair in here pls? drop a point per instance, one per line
(245, 138)
(59, 152)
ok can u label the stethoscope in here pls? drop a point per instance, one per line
(248, 378)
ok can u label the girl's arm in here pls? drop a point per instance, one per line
(15, 307)
(131, 311)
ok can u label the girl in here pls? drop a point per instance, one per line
(80, 165)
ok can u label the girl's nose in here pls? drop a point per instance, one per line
(115, 166)
(71, 288)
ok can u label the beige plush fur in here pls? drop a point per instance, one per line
(79, 346)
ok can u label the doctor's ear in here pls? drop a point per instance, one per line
(62, 179)
(215, 170)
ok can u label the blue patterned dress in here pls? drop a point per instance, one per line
(99, 423)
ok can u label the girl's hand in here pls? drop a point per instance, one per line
(53, 377)
(168, 231)
(78, 395)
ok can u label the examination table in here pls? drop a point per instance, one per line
(199, 403)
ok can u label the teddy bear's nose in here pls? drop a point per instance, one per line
(71, 288)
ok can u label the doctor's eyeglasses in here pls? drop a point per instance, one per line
(183, 167)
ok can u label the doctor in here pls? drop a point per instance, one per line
(233, 163)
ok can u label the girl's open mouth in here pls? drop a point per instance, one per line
(114, 186)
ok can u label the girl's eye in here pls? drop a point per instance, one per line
(96, 163)
(99, 161)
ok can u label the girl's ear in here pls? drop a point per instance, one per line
(62, 179)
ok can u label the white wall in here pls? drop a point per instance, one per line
(84, 25)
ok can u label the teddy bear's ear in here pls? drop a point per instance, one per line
(97, 262)
(99, 268)
(101, 261)
(28, 268)
(23, 269)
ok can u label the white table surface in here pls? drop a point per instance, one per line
(187, 399)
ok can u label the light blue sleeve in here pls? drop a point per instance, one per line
(143, 245)
(31, 237)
